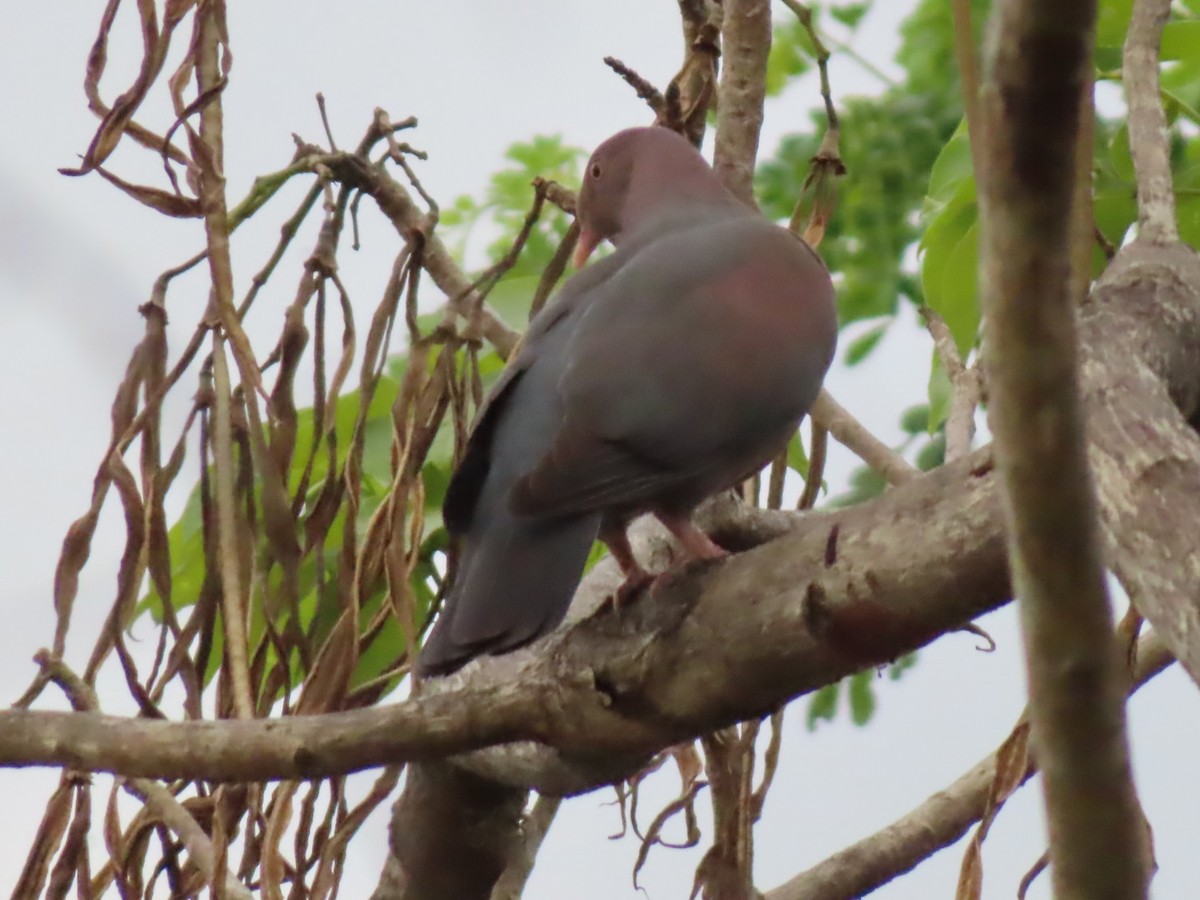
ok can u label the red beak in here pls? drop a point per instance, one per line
(584, 247)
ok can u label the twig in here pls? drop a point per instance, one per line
(156, 797)
(644, 89)
(689, 97)
(827, 165)
(1148, 142)
(233, 610)
(817, 454)
(852, 434)
(325, 122)
(537, 823)
(554, 269)
(966, 384)
(804, 14)
(397, 204)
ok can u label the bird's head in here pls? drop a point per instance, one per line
(636, 175)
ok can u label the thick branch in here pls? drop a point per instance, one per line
(1031, 112)
(839, 592)
(452, 806)
(1145, 455)
(745, 45)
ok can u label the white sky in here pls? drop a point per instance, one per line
(77, 258)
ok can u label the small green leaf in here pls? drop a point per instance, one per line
(788, 58)
(862, 697)
(1118, 152)
(865, 484)
(862, 345)
(939, 392)
(915, 419)
(850, 14)
(933, 454)
(897, 669)
(1180, 40)
(952, 165)
(822, 706)
(960, 291)
(1115, 211)
(950, 263)
(1188, 212)
(796, 457)
(1112, 21)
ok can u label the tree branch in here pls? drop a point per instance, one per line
(1030, 107)
(937, 823)
(745, 45)
(453, 807)
(1147, 123)
(536, 824)
(1145, 455)
(838, 592)
(853, 435)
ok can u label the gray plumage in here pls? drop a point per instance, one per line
(667, 372)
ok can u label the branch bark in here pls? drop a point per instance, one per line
(1030, 107)
(837, 592)
(1148, 124)
(745, 45)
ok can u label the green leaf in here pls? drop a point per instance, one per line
(865, 484)
(950, 264)
(952, 165)
(915, 419)
(849, 14)
(1188, 212)
(789, 57)
(862, 697)
(939, 392)
(933, 454)
(796, 457)
(897, 669)
(1180, 40)
(862, 345)
(1118, 152)
(1114, 211)
(1112, 21)
(822, 706)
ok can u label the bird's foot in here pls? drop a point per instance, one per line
(631, 588)
(634, 584)
(696, 544)
(687, 567)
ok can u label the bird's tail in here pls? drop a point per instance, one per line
(514, 582)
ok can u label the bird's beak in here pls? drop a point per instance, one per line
(583, 248)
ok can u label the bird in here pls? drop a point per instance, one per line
(659, 375)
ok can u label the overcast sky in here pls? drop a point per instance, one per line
(77, 258)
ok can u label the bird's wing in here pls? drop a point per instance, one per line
(544, 336)
(694, 356)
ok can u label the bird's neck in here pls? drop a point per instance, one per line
(664, 218)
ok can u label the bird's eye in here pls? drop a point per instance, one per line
(596, 170)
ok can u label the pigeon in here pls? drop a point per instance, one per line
(664, 373)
